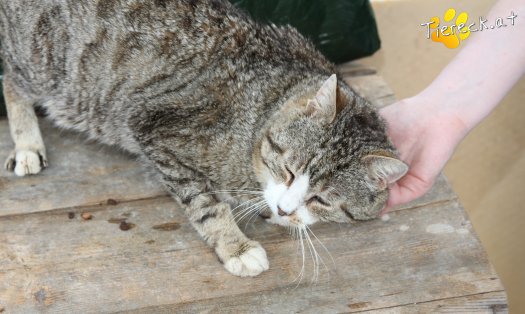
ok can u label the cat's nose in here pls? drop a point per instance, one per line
(283, 213)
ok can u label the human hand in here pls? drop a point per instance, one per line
(427, 128)
(425, 137)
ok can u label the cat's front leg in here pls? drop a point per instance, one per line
(214, 222)
(211, 217)
(29, 155)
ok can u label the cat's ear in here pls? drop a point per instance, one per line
(323, 106)
(384, 170)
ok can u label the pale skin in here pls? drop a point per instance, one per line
(427, 127)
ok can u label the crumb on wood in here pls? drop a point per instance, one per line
(111, 201)
(116, 220)
(358, 305)
(86, 216)
(169, 226)
(125, 226)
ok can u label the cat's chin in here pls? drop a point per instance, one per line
(278, 221)
(287, 221)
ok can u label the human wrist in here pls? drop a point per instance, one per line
(442, 115)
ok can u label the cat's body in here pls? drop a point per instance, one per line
(194, 87)
(150, 57)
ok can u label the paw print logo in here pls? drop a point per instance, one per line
(452, 35)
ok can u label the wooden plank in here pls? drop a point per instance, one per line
(355, 69)
(367, 83)
(489, 303)
(80, 173)
(440, 192)
(49, 262)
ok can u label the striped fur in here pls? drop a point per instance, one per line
(210, 98)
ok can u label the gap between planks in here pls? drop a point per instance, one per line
(101, 206)
(107, 208)
(398, 306)
(437, 301)
(94, 207)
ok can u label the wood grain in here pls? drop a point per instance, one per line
(80, 173)
(373, 88)
(51, 262)
(489, 303)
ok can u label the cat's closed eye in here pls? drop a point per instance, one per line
(275, 147)
(290, 177)
(319, 200)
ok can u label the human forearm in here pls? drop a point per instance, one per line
(427, 128)
(483, 71)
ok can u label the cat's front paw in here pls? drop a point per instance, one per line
(26, 161)
(249, 260)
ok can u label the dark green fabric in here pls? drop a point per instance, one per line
(342, 30)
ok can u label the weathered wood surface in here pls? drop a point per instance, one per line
(367, 83)
(489, 303)
(59, 264)
(426, 258)
(80, 173)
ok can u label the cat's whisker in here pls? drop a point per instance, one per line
(254, 215)
(260, 208)
(250, 218)
(249, 204)
(255, 211)
(293, 232)
(301, 273)
(320, 257)
(254, 191)
(243, 212)
(238, 193)
(313, 254)
(247, 189)
(324, 247)
(248, 210)
(253, 199)
(317, 257)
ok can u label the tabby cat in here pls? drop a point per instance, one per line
(212, 99)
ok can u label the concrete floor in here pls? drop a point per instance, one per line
(488, 168)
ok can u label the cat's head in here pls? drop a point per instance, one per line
(326, 157)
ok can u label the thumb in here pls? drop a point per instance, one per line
(407, 189)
